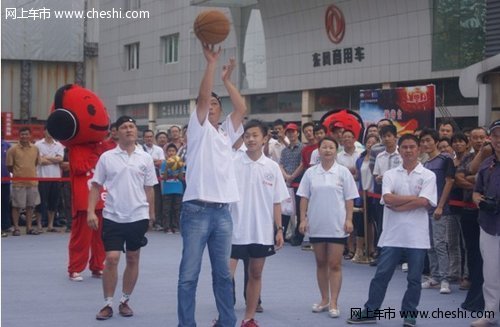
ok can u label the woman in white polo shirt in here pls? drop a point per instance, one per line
(324, 187)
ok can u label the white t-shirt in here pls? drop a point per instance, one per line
(348, 160)
(366, 176)
(327, 192)
(408, 229)
(275, 149)
(47, 149)
(155, 152)
(124, 178)
(315, 159)
(386, 161)
(260, 185)
(210, 174)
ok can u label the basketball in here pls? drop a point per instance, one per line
(211, 27)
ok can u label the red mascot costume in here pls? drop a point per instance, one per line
(80, 122)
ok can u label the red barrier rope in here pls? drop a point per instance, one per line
(462, 204)
(373, 195)
(41, 179)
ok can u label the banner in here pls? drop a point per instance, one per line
(409, 108)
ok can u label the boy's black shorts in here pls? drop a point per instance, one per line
(245, 251)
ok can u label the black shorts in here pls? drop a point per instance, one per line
(359, 223)
(246, 251)
(116, 235)
(336, 240)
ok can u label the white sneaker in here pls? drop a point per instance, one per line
(320, 308)
(404, 267)
(430, 283)
(334, 313)
(445, 287)
(75, 277)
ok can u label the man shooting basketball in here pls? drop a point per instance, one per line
(210, 187)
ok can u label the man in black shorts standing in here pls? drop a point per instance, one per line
(128, 174)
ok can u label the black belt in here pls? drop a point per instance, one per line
(204, 204)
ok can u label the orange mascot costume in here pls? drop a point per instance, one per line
(80, 122)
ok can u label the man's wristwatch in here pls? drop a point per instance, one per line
(280, 228)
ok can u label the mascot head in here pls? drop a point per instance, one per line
(349, 119)
(79, 116)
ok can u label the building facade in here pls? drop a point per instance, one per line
(296, 59)
(42, 52)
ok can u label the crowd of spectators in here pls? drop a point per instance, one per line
(462, 235)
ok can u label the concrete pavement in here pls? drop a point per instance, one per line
(36, 290)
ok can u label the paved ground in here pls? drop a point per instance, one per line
(37, 292)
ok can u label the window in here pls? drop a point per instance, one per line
(170, 48)
(138, 111)
(340, 97)
(173, 109)
(254, 53)
(132, 53)
(458, 33)
(276, 103)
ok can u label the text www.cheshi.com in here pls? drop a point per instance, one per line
(391, 313)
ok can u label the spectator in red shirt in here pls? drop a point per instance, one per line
(310, 145)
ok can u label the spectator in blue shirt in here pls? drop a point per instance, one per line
(172, 189)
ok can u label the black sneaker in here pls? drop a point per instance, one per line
(361, 318)
(295, 241)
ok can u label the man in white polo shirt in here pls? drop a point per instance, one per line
(128, 175)
(210, 187)
(158, 156)
(348, 156)
(407, 192)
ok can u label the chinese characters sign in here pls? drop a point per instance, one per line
(338, 56)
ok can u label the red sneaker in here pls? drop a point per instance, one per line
(250, 323)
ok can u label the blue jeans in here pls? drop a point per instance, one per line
(201, 226)
(387, 262)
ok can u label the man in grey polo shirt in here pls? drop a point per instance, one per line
(210, 187)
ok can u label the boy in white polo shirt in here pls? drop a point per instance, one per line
(210, 187)
(262, 188)
(128, 174)
(387, 159)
